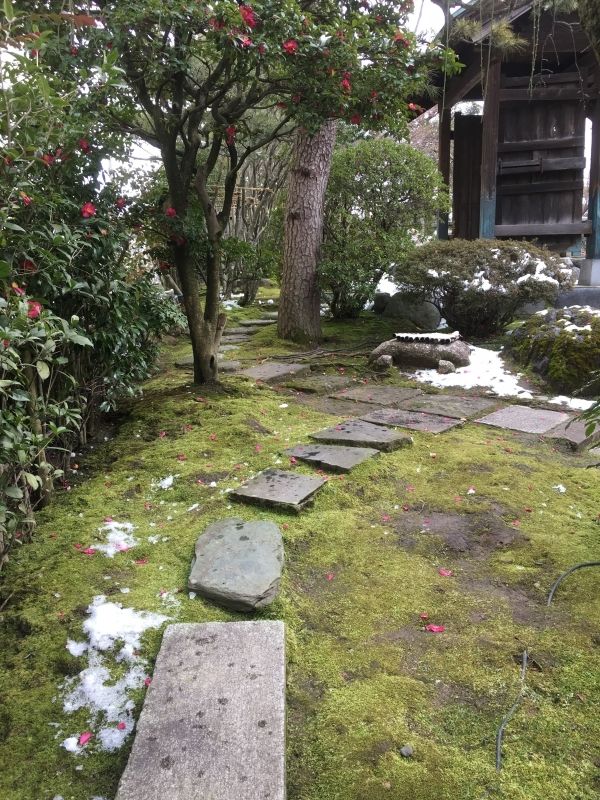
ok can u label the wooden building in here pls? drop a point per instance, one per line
(518, 169)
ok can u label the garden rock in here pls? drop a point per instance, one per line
(238, 564)
(421, 312)
(444, 367)
(420, 354)
(383, 363)
(381, 301)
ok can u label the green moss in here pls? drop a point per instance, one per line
(364, 678)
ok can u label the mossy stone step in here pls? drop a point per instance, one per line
(358, 433)
(256, 323)
(338, 458)
(413, 420)
(275, 371)
(283, 489)
(213, 722)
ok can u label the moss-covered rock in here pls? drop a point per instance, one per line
(562, 345)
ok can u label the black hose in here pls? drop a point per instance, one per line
(560, 579)
(507, 717)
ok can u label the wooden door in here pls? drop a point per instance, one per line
(466, 176)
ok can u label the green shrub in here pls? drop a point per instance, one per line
(382, 197)
(478, 285)
(562, 345)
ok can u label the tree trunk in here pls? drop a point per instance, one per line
(299, 304)
(205, 330)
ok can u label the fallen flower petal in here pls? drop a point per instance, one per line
(121, 726)
(141, 561)
(424, 615)
(84, 738)
(148, 681)
(89, 551)
(330, 576)
(445, 573)
(435, 628)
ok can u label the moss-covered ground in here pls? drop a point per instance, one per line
(364, 678)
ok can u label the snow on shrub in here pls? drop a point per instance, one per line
(562, 345)
(478, 285)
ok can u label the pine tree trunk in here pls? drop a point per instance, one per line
(299, 304)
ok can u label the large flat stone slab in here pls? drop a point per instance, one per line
(525, 419)
(450, 405)
(226, 348)
(338, 458)
(234, 339)
(237, 332)
(330, 405)
(413, 420)
(572, 435)
(238, 564)
(213, 722)
(275, 371)
(378, 395)
(229, 366)
(358, 433)
(319, 384)
(256, 323)
(280, 488)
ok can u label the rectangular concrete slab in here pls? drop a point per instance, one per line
(291, 491)
(275, 372)
(213, 722)
(525, 419)
(378, 395)
(358, 433)
(333, 457)
(450, 405)
(414, 420)
(573, 436)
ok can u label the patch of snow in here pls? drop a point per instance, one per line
(164, 483)
(560, 488)
(572, 402)
(71, 744)
(76, 648)
(486, 370)
(119, 538)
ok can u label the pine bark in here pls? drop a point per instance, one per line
(300, 300)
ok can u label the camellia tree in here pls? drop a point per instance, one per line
(192, 76)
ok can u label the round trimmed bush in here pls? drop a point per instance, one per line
(478, 285)
(562, 345)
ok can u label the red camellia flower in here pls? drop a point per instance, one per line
(26, 200)
(281, 104)
(120, 202)
(230, 132)
(216, 24)
(34, 310)
(74, 51)
(88, 210)
(296, 98)
(262, 48)
(400, 38)
(28, 265)
(356, 119)
(170, 212)
(34, 53)
(246, 41)
(17, 290)
(345, 82)
(84, 145)
(48, 159)
(248, 16)
(290, 47)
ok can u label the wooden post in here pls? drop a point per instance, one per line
(593, 242)
(444, 115)
(489, 151)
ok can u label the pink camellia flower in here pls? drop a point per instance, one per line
(445, 573)
(34, 310)
(121, 726)
(85, 737)
(248, 15)
(88, 210)
(170, 212)
(290, 47)
(89, 551)
(25, 199)
(147, 681)
(330, 576)
(84, 146)
(345, 83)
(120, 202)
(48, 159)
(246, 41)
(435, 628)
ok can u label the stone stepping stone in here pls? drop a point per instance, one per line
(378, 395)
(230, 366)
(525, 419)
(256, 323)
(275, 371)
(319, 384)
(270, 315)
(449, 405)
(358, 433)
(329, 405)
(238, 564)
(414, 420)
(280, 488)
(233, 339)
(572, 434)
(237, 332)
(334, 457)
(226, 348)
(213, 722)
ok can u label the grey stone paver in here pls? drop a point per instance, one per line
(237, 332)
(270, 315)
(525, 419)
(256, 323)
(228, 366)
(573, 435)
(319, 384)
(329, 405)
(378, 395)
(280, 488)
(238, 564)
(358, 433)
(334, 457)
(450, 405)
(414, 420)
(226, 348)
(234, 339)
(213, 722)
(275, 371)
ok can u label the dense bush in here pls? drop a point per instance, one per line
(562, 345)
(382, 198)
(479, 285)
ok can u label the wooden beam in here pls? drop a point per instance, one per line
(540, 187)
(541, 144)
(544, 93)
(544, 80)
(489, 151)
(444, 134)
(458, 87)
(544, 229)
(593, 242)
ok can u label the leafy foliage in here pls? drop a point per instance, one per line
(382, 198)
(478, 285)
